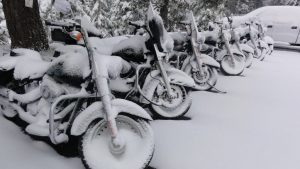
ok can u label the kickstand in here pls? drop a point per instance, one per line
(214, 89)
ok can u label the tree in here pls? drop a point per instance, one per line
(25, 25)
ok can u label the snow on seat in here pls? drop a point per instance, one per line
(27, 68)
(111, 66)
(71, 68)
(105, 46)
(27, 64)
(63, 49)
(131, 49)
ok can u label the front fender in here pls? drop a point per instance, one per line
(153, 79)
(269, 40)
(175, 76)
(247, 48)
(263, 44)
(236, 51)
(95, 111)
(207, 60)
(180, 78)
(221, 55)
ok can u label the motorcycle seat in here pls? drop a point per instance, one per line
(24, 63)
(30, 69)
(132, 49)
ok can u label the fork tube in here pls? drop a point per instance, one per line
(164, 76)
(227, 45)
(102, 88)
(197, 55)
(252, 40)
(162, 70)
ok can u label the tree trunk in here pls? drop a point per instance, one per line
(164, 10)
(25, 25)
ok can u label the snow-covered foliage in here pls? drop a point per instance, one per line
(112, 17)
(4, 37)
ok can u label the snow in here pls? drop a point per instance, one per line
(270, 14)
(105, 46)
(62, 6)
(255, 125)
(71, 64)
(18, 150)
(88, 25)
(134, 156)
(8, 62)
(135, 45)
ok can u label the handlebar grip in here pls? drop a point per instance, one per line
(62, 24)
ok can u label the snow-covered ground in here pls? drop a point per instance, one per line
(254, 126)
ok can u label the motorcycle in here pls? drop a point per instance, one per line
(153, 81)
(232, 61)
(252, 39)
(267, 39)
(112, 133)
(188, 57)
(243, 48)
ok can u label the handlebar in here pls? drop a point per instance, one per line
(65, 25)
(137, 25)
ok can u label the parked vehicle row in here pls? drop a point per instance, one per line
(107, 101)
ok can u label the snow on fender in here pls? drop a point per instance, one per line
(95, 111)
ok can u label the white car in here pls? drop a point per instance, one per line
(283, 22)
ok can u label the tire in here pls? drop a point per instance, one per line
(248, 59)
(171, 110)
(263, 53)
(208, 81)
(271, 49)
(94, 145)
(233, 66)
(6, 109)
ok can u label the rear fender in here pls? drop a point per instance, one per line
(95, 111)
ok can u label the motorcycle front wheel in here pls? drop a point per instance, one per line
(171, 108)
(95, 145)
(248, 59)
(206, 81)
(233, 66)
(263, 54)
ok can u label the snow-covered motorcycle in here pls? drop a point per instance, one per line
(242, 47)
(113, 133)
(232, 61)
(189, 58)
(153, 81)
(252, 39)
(262, 36)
